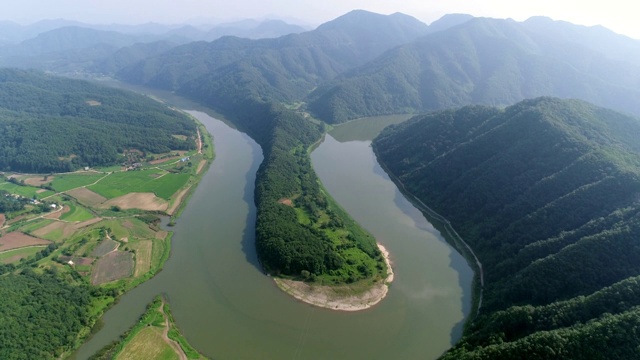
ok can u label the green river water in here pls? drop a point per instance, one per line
(228, 309)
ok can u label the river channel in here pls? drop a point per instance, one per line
(228, 309)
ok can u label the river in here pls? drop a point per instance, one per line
(228, 309)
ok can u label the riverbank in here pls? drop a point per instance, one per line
(341, 298)
(450, 235)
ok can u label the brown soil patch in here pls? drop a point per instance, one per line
(287, 202)
(57, 214)
(16, 219)
(339, 297)
(201, 166)
(40, 191)
(160, 235)
(178, 201)
(127, 224)
(105, 247)
(67, 229)
(15, 240)
(87, 197)
(93, 103)
(113, 266)
(37, 181)
(142, 201)
(2, 220)
(160, 161)
(87, 223)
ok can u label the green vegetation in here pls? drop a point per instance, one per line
(9, 255)
(65, 182)
(162, 183)
(546, 193)
(25, 191)
(52, 124)
(145, 340)
(76, 213)
(43, 326)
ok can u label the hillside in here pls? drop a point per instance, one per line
(282, 69)
(492, 62)
(546, 193)
(51, 124)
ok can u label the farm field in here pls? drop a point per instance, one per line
(25, 191)
(163, 184)
(113, 266)
(76, 213)
(14, 240)
(11, 256)
(66, 182)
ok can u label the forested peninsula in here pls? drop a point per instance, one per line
(546, 193)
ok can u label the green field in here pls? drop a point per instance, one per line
(152, 180)
(25, 191)
(77, 213)
(7, 256)
(65, 182)
(35, 225)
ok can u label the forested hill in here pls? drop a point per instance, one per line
(50, 124)
(547, 193)
(492, 62)
(282, 69)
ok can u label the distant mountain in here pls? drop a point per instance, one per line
(129, 55)
(488, 61)
(284, 69)
(547, 193)
(250, 29)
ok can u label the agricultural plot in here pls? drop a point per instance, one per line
(35, 225)
(25, 191)
(66, 182)
(148, 344)
(106, 246)
(113, 266)
(15, 240)
(76, 213)
(163, 184)
(128, 228)
(12, 256)
(55, 231)
(143, 256)
(87, 197)
(142, 201)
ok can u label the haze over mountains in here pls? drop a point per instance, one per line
(546, 191)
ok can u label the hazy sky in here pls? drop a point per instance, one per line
(617, 15)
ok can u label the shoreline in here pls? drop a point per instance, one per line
(330, 297)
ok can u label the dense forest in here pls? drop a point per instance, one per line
(52, 124)
(547, 194)
(40, 315)
(300, 232)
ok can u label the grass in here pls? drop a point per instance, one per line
(144, 340)
(76, 213)
(122, 183)
(66, 182)
(35, 225)
(25, 190)
(11, 256)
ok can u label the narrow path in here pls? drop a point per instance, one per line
(199, 141)
(165, 336)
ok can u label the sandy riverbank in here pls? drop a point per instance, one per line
(339, 297)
